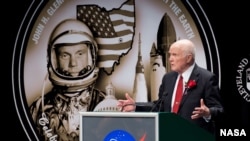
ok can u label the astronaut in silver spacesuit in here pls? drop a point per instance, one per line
(72, 70)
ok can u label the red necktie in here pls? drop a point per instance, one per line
(178, 95)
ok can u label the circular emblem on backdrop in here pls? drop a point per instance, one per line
(119, 135)
(120, 29)
(243, 78)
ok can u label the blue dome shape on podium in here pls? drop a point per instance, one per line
(119, 135)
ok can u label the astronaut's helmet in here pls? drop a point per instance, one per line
(66, 35)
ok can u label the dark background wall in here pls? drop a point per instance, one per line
(229, 22)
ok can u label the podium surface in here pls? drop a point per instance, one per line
(138, 126)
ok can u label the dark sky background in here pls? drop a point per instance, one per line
(230, 25)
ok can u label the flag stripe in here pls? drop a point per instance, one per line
(121, 13)
(108, 57)
(115, 43)
(106, 52)
(104, 64)
(122, 47)
(121, 30)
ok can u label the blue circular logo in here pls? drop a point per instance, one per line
(119, 135)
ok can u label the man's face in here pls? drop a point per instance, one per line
(177, 59)
(73, 59)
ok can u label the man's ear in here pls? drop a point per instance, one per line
(189, 58)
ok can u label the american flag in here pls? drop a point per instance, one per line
(113, 31)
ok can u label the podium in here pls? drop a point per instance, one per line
(139, 126)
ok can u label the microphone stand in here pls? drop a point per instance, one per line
(159, 102)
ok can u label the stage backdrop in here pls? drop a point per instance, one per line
(132, 37)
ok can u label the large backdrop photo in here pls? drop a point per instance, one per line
(124, 52)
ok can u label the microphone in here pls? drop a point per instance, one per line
(159, 102)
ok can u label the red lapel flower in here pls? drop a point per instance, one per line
(191, 84)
